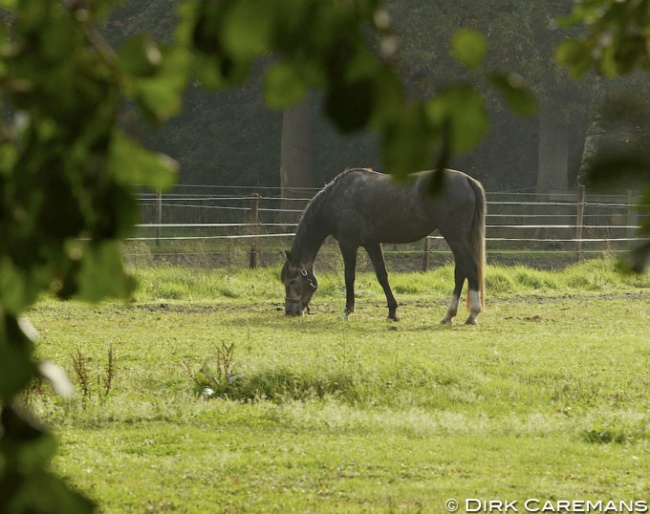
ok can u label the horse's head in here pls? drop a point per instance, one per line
(300, 284)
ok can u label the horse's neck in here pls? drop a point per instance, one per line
(310, 236)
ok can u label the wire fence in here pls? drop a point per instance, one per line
(243, 226)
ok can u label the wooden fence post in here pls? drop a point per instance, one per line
(580, 220)
(425, 254)
(158, 217)
(255, 219)
(632, 216)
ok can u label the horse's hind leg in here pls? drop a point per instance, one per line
(466, 268)
(474, 306)
(377, 257)
(459, 280)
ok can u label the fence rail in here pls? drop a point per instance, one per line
(236, 225)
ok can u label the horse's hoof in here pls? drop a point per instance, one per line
(471, 321)
(393, 317)
(447, 321)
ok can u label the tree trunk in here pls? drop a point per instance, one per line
(296, 162)
(553, 158)
(593, 139)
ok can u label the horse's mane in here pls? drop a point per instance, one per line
(329, 189)
(320, 199)
(336, 181)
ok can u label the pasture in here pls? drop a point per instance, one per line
(547, 399)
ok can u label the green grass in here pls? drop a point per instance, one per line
(546, 399)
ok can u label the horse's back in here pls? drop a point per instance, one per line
(370, 189)
(372, 207)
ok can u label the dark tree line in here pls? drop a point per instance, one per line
(234, 138)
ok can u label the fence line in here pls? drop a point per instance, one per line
(516, 222)
(234, 225)
(440, 238)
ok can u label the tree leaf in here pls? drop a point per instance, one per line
(57, 377)
(133, 164)
(408, 142)
(42, 492)
(102, 274)
(629, 169)
(463, 108)
(287, 82)
(515, 92)
(469, 47)
(15, 355)
(350, 106)
(18, 289)
(158, 91)
(18, 369)
(59, 40)
(575, 56)
(140, 56)
(248, 28)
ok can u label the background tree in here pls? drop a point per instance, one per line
(239, 118)
(521, 36)
(616, 43)
(208, 137)
(296, 150)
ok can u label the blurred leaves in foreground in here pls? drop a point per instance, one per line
(616, 43)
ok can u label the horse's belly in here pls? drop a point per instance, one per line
(405, 237)
(397, 232)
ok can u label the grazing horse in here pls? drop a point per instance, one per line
(361, 207)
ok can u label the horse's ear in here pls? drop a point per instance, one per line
(287, 254)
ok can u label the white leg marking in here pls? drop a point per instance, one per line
(451, 311)
(474, 307)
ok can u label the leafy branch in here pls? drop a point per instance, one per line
(616, 43)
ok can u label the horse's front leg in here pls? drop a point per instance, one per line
(377, 257)
(350, 265)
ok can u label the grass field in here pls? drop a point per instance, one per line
(547, 399)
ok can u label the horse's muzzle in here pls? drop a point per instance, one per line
(293, 307)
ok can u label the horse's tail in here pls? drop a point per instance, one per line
(477, 238)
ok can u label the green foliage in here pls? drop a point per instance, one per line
(469, 47)
(617, 39)
(66, 197)
(514, 91)
(462, 109)
(616, 43)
